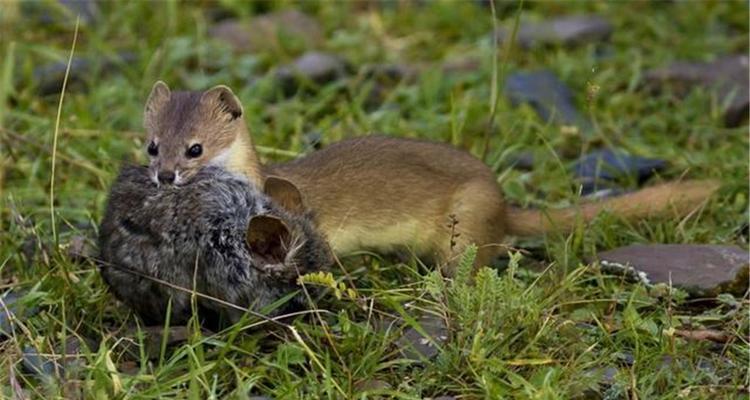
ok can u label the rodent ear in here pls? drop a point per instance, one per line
(160, 95)
(284, 193)
(223, 99)
(267, 237)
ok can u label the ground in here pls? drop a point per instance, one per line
(549, 324)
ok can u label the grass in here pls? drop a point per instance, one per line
(548, 325)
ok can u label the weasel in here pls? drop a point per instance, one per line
(380, 193)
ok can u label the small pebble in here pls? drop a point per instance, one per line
(264, 32)
(727, 76)
(416, 347)
(548, 96)
(312, 67)
(567, 30)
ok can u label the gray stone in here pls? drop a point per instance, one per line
(568, 30)
(601, 169)
(265, 32)
(88, 10)
(602, 379)
(64, 14)
(49, 77)
(13, 308)
(417, 347)
(65, 363)
(312, 67)
(371, 385)
(547, 95)
(523, 160)
(727, 76)
(38, 364)
(390, 74)
(701, 270)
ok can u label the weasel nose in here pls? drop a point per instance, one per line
(166, 177)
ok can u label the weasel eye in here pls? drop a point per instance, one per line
(153, 149)
(195, 151)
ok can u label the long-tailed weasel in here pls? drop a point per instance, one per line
(380, 193)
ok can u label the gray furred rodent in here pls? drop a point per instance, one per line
(216, 232)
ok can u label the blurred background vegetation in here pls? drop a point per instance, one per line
(423, 69)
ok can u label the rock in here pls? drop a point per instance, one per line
(390, 74)
(416, 347)
(63, 15)
(50, 77)
(12, 307)
(603, 378)
(371, 385)
(726, 76)
(266, 32)
(701, 270)
(62, 364)
(568, 30)
(549, 97)
(599, 169)
(88, 10)
(379, 80)
(43, 367)
(523, 161)
(625, 358)
(312, 67)
(313, 140)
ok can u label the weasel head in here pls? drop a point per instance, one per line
(189, 130)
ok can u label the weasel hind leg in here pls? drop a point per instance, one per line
(476, 215)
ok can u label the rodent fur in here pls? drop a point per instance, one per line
(175, 232)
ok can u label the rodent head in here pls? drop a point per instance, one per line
(188, 130)
(286, 243)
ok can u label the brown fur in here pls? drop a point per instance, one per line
(174, 121)
(383, 193)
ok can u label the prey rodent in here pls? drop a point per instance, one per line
(217, 234)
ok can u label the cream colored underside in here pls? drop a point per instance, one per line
(410, 233)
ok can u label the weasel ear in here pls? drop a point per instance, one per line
(221, 98)
(284, 193)
(267, 237)
(160, 95)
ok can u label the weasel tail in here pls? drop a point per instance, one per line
(674, 198)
